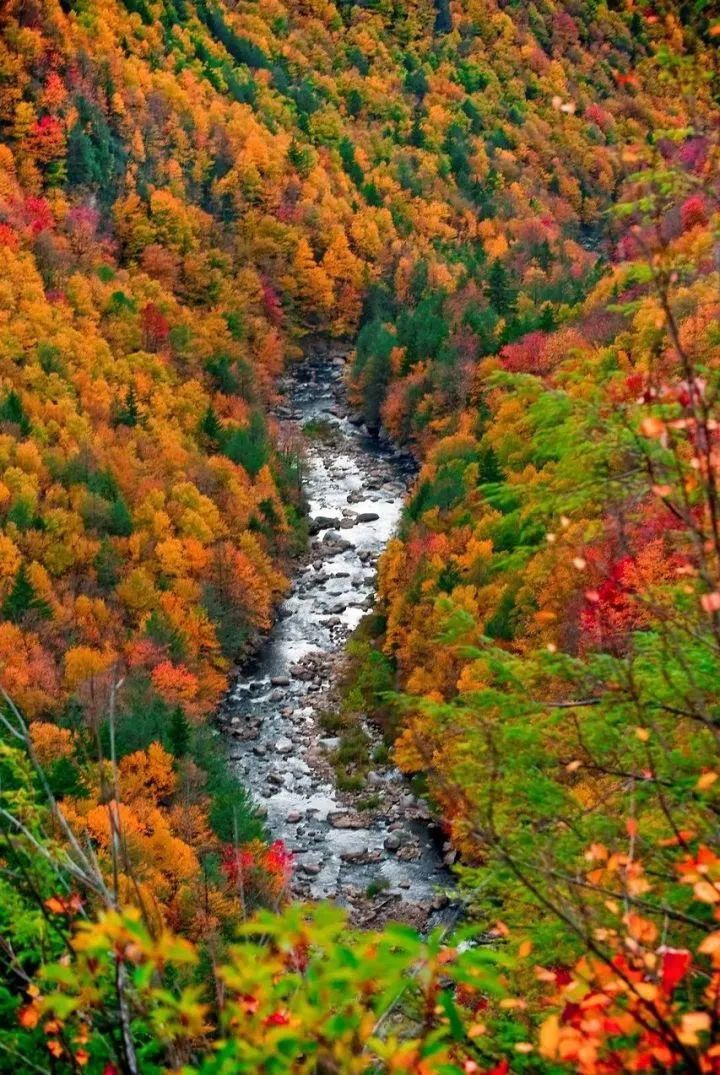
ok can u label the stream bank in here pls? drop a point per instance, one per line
(384, 862)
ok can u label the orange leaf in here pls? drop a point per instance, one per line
(28, 1017)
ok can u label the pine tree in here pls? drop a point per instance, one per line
(499, 291)
(22, 599)
(129, 413)
(210, 427)
(178, 733)
(443, 18)
(120, 522)
(81, 163)
(12, 411)
(107, 564)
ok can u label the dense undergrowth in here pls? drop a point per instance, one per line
(515, 208)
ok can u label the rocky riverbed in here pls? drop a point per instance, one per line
(388, 862)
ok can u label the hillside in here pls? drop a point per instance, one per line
(508, 213)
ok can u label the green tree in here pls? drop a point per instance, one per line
(178, 733)
(23, 599)
(13, 412)
(499, 290)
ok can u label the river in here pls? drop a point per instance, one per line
(386, 861)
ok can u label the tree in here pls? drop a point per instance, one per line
(22, 599)
(499, 291)
(210, 427)
(178, 733)
(129, 413)
(12, 411)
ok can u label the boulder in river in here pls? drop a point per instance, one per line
(283, 745)
(345, 819)
(323, 522)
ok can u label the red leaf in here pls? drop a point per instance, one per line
(500, 1069)
(675, 965)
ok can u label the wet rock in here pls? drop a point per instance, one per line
(280, 681)
(277, 695)
(293, 817)
(312, 869)
(323, 522)
(392, 842)
(283, 745)
(347, 524)
(260, 749)
(368, 517)
(409, 852)
(340, 819)
(362, 857)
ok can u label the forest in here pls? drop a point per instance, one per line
(507, 213)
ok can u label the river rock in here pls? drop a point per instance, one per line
(323, 522)
(283, 745)
(368, 517)
(340, 819)
(392, 842)
(280, 681)
(409, 852)
(361, 857)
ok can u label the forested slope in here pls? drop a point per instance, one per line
(511, 210)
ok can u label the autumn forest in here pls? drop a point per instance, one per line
(453, 265)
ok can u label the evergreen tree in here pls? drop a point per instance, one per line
(22, 599)
(12, 411)
(210, 427)
(248, 445)
(178, 733)
(443, 18)
(120, 522)
(107, 564)
(499, 291)
(81, 163)
(129, 413)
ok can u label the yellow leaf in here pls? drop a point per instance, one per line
(706, 892)
(549, 1037)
